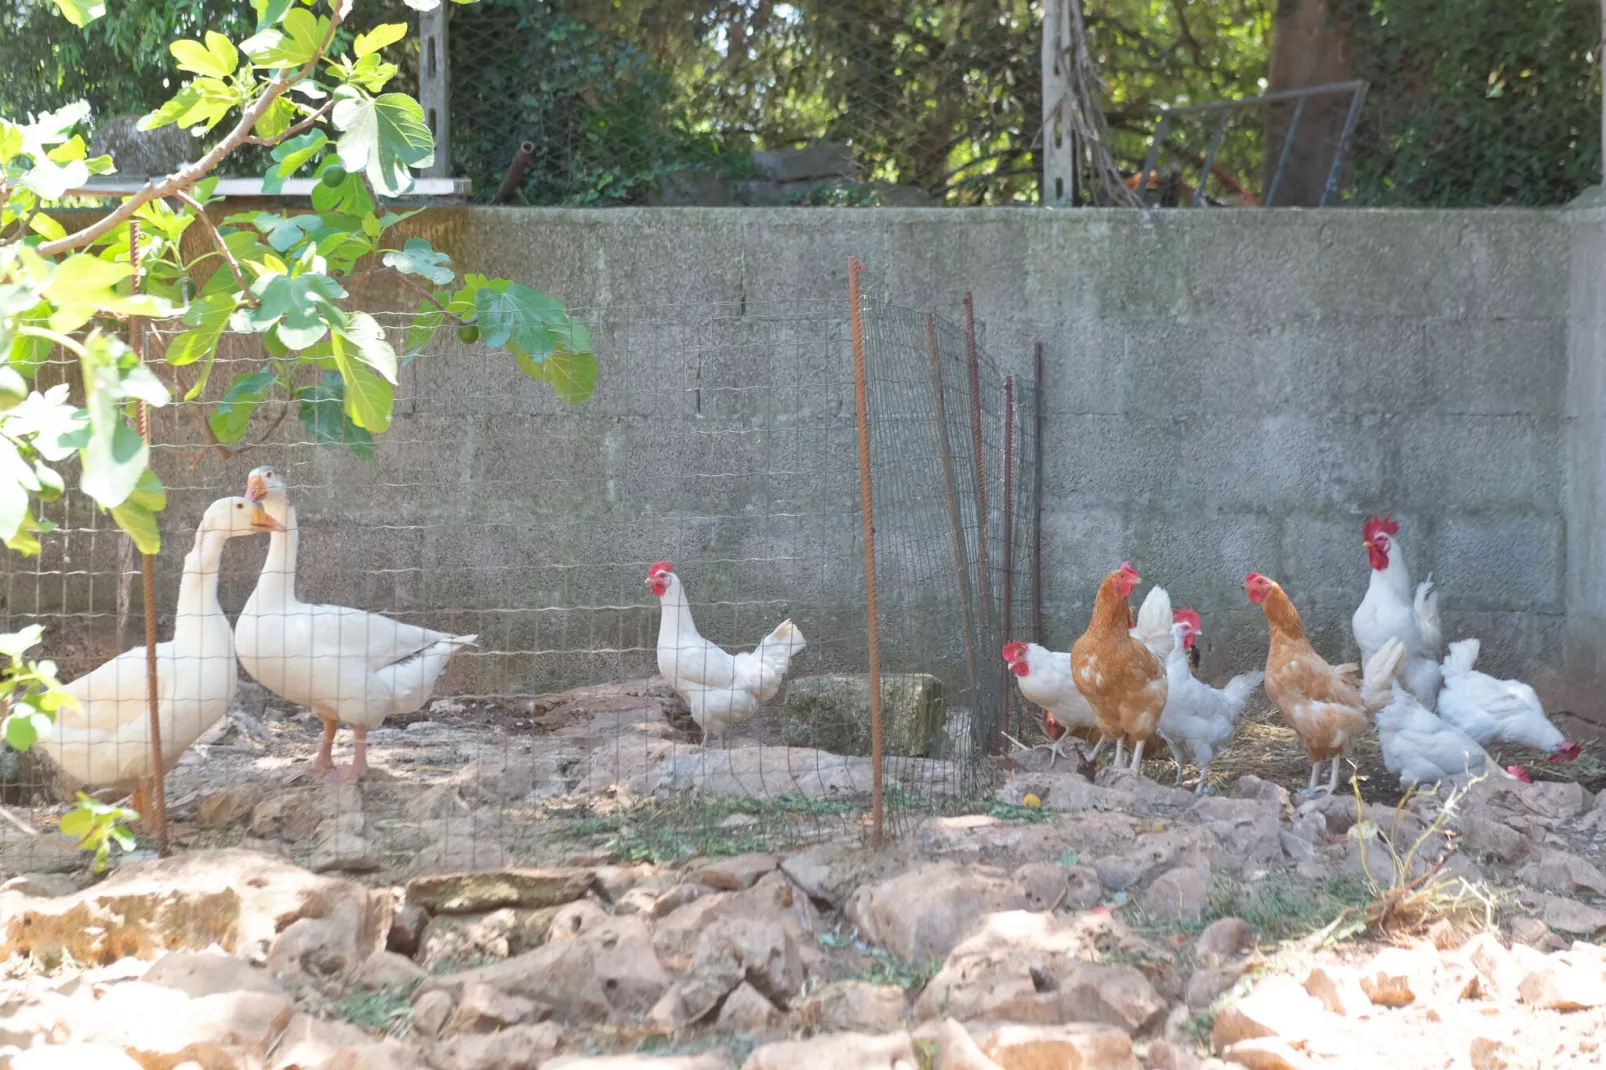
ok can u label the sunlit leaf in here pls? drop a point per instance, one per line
(217, 57)
(81, 12)
(302, 306)
(291, 156)
(369, 398)
(233, 413)
(294, 44)
(15, 644)
(573, 375)
(383, 137)
(381, 36)
(416, 257)
(321, 410)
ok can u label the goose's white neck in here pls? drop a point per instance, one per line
(277, 584)
(675, 623)
(197, 608)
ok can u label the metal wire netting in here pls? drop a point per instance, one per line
(721, 438)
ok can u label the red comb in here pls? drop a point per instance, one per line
(1252, 577)
(659, 566)
(1183, 613)
(1014, 651)
(1387, 525)
(1126, 566)
(1520, 773)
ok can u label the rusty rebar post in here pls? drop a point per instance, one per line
(945, 447)
(1007, 606)
(156, 798)
(861, 399)
(1037, 496)
(983, 518)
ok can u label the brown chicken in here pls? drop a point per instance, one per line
(1119, 665)
(1325, 704)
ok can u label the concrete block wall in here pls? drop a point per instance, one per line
(1225, 391)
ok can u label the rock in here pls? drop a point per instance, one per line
(208, 973)
(1489, 1054)
(1266, 1053)
(1164, 1055)
(308, 1041)
(1554, 986)
(608, 971)
(45, 1019)
(1495, 965)
(1489, 838)
(142, 153)
(1558, 871)
(515, 1048)
(732, 951)
(407, 929)
(747, 1011)
(820, 159)
(612, 882)
(388, 971)
(1223, 939)
(431, 1011)
(826, 873)
(163, 1025)
(1250, 786)
(738, 873)
(1558, 800)
(1339, 991)
(229, 808)
(839, 1051)
(320, 953)
(1572, 917)
(1157, 852)
(1278, 1006)
(1210, 983)
(1031, 1047)
(291, 818)
(341, 845)
(672, 900)
(832, 712)
(463, 845)
(74, 1057)
(385, 1055)
(475, 893)
(1027, 967)
(495, 782)
(485, 1009)
(1530, 931)
(1049, 884)
(457, 940)
(40, 885)
(238, 900)
(712, 1060)
(926, 912)
(1178, 895)
(1388, 990)
(852, 1007)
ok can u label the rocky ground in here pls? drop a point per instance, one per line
(574, 885)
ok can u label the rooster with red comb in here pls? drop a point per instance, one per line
(1044, 679)
(1393, 609)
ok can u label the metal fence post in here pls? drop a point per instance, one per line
(867, 512)
(1007, 609)
(1037, 495)
(157, 800)
(945, 447)
(983, 516)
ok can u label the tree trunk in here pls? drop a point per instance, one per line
(1308, 47)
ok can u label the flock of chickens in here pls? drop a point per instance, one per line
(1129, 679)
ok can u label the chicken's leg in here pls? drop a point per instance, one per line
(1137, 756)
(325, 761)
(1315, 772)
(140, 801)
(1120, 753)
(350, 774)
(1332, 781)
(1097, 748)
(1175, 757)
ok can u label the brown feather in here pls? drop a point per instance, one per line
(1321, 703)
(1120, 677)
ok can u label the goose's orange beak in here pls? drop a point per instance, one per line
(255, 489)
(261, 521)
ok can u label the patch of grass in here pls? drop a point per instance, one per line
(1283, 907)
(449, 964)
(885, 968)
(718, 825)
(1199, 1023)
(379, 1010)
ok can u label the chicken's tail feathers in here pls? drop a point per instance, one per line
(1427, 615)
(462, 640)
(1377, 680)
(1154, 621)
(1240, 687)
(1460, 658)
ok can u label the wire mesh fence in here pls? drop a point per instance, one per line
(721, 444)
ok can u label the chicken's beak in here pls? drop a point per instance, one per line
(1367, 543)
(261, 521)
(255, 489)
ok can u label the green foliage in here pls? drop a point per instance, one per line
(32, 694)
(99, 827)
(1476, 102)
(379, 1010)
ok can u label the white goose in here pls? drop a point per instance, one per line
(105, 742)
(347, 666)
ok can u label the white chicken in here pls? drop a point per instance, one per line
(1497, 711)
(1197, 716)
(1422, 748)
(721, 689)
(1044, 679)
(1391, 610)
